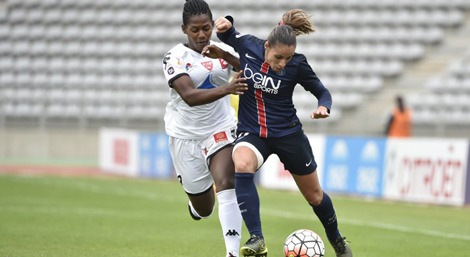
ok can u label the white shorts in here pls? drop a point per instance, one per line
(191, 159)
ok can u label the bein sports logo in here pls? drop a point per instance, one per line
(262, 81)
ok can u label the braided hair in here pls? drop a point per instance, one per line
(195, 7)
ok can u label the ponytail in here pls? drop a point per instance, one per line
(299, 20)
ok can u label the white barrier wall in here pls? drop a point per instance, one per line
(119, 151)
(426, 170)
(134, 153)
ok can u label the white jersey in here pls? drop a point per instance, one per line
(197, 122)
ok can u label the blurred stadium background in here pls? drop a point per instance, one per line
(69, 67)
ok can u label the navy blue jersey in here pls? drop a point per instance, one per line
(267, 109)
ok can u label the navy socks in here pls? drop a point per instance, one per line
(327, 215)
(248, 202)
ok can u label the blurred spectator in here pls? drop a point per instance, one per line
(399, 123)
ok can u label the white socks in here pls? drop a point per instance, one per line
(230, 220)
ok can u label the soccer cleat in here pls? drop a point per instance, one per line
(341, 247)
(192, 215)
(254, 247)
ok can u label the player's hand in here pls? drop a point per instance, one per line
(222, 24)
(237, 86)
(320, 113)
(213, 51)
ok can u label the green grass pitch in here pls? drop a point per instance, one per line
(48, 216)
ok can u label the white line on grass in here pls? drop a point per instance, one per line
(110, 189)
(407, 229)
(427, 232)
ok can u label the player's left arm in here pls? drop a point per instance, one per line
(310, 81)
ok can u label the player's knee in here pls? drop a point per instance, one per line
(201, 209)
(315, 198)
(245, 165)
(246, 160)
(205, 213)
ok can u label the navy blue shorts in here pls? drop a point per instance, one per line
(294, 150)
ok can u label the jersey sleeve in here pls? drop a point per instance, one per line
(227, 48)
(231, 37)
(308, 79)
(173, 68)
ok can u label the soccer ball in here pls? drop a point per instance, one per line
(304, 243)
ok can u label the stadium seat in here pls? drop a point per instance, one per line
(8, 94)
(23, 79)
(72, 33)
(4, 31)
(36, 31)
(20, 48)
(50, 16)
(6, 63)
(40, 80)
(91, 49)
(73, 80)
(56, 80)
(28, 110)
(38, 48)
(56, 110)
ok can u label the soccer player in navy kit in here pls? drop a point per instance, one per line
(268, 123)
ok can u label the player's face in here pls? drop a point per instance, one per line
(199, 31)
(278, 55)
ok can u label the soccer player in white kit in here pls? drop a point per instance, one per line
(201, 122)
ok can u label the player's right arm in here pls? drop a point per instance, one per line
(214, 52)
(226, 31)
(194, 96)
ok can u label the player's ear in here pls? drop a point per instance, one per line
(183, 28)
(266, 44)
